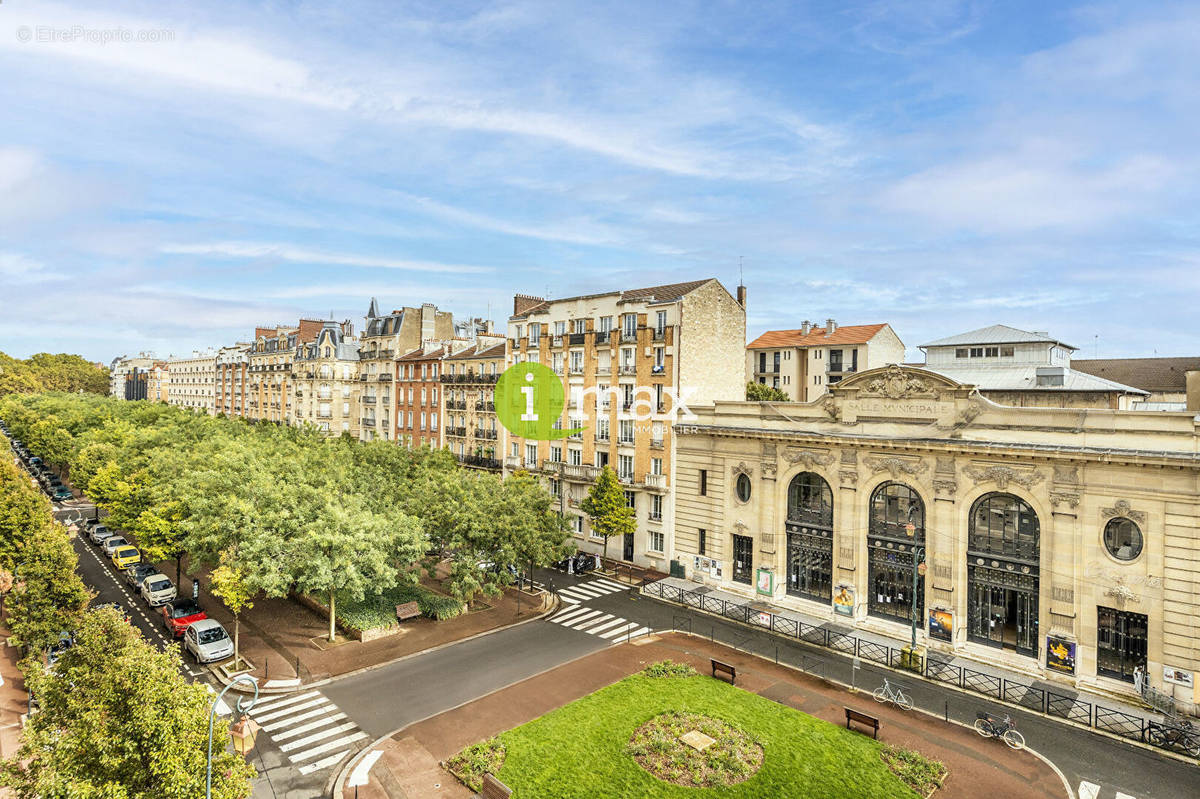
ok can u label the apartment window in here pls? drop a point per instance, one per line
(629, 325)
(702, 541)
(576, 361)
(605, 324)
(410, 420)
(1006, 352)
(531, 455)
(660, 358)
(560, 328)
(555, 454)
(660, 323)
(976, 352)
(762, 362)
(345, 426)
(704, 482)
(410, 395)
(423, 396)
(345, 391)
(627, 396)
(554, 487)
(625, 431)
(603, 398)
(656, 466)
(433, 420)
(631, 500)
(625, 467)
(657, 540)
(535, 334)
(575, 456)
(557, 362)
(345, 409)
(422, 427)
(579, 326)
(433, 394)
(516, 450)
(656, 507)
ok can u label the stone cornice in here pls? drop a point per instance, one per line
(956, 445)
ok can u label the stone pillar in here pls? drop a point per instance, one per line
(1061, 571)
(849, 540)
(945, 552)
(771, 516)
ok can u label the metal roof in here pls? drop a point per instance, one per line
(996, 334)
(1024, 378)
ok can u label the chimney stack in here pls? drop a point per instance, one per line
(523, 302)
(805, 328)
(830, 326)
(741, 296)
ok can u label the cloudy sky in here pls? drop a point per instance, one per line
(939, 165)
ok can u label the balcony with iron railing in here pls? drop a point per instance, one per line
(580, 471)
(489, 435)
(457, 405)
(458, 432)
(577, 369)
(628, 369)
(602, 336)
(628, 337)
(485, 406)
(604, 370)
(625, 477)
(512, 462)
(556, 341)
(369, 400)
(655, 516)
(384, 377)
(660, 334)
(656, 443)
(602, 438)
(576, 339)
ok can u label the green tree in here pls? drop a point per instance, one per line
(24, 512)
(606, 509)
(760, 392)
(48, 595)
(117, 720)
(228, 583)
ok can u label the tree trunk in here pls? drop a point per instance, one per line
(606, 546)
(236, 629)
(332, 615)
(178, 570)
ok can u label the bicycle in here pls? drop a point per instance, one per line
(894, 694)
(1005, 729)
(1175, 735)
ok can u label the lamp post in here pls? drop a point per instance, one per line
(243, 731)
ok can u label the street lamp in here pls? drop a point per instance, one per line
(242, 732)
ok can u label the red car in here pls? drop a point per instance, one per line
(181, 614)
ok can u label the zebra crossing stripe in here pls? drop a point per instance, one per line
(585, 591)
(1088, 790)
(1123, 795)
(567, 599)
(320, 700)
(317, 736)
(279, 725)
(312, 725)
(277, 702)
(618, 631)
(589, 614)
(585, 623)
(326, 763)
(596, 630)
(566, 615)
(327, 747)
(612, 586)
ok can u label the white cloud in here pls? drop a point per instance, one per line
(19, 269)
(286, 252)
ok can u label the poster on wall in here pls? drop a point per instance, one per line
(843, 600)
(941, 624)
(1060, 654)
(764, 582)
(1176, 676)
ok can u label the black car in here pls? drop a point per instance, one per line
(135, 574)
(61, 493)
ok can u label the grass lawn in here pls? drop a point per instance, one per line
(579, 750)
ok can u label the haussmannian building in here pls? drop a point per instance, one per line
(232, 392)
(624, 356)
(1062, 543)
(471, 430)
(191, 381)
(326, 391)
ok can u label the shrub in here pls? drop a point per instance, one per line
(917, 771)
(472, 763)
(669, 668)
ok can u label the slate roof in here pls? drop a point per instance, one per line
(996, 334)
(668, 292)
(1164, 375)
(495, 351)
(845, 334)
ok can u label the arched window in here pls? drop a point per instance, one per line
(1003, 539)
(895, 530)
(810, 537)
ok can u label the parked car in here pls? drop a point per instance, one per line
(206, 641)
(99, 534)
(124, 557)
(181, 614)
(113, 543)
(34, 461)
(119, 608)
(135, 575)
(54, 652)
(88, 524)
(157, 590)
(61, 494)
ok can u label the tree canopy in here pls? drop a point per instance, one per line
(606, 508)
(760, 392)
(46, 372)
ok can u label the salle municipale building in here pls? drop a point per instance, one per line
(1062, 543)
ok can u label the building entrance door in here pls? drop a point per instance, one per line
(1120, 643)
(743, 555)
(627, 554)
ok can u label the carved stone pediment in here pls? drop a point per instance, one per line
(897, 382)
(1003, 475)
(895, 466)
(741, 468)
(1067, 498)
(808, 457)
(1123, 509)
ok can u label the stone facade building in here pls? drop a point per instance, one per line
(624, 358)
(233, 364)
(120, 384)
(805, 362)
(325, 386)
(270, 369)
(419, 404)
(471, 430)
(192, 381)
(385, 338)
(1062, 543)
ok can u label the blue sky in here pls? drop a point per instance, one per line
(938, 165)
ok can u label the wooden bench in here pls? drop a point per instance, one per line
(408, 610)
(862, 718)
(492, 788)
(723, 671)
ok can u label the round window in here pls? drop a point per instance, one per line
(743, 487)
(1123, 539)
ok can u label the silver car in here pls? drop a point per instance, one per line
(207, 641)
(99, 534)
(113, 543)
(157, 590)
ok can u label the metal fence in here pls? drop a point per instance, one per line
(1175, 735)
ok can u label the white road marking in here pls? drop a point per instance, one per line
(588, 623)
(326, 763)
(281, 713)
(274, 702)
(1088, 790)
(327, 747)
(618, 632)
(581, 617)
(312, 725)
(596, 630)
(318, 736)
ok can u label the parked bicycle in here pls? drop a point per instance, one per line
(1005, 729)
(894, 694)
(1175, 734)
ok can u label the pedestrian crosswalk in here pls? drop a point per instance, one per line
(308, 729)
(1090, 790)
(582, 592)
(597, 623)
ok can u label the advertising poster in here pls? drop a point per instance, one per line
(764, 582)
(1176, 676)
(941, 624)
(843, 600)
(1060, 654)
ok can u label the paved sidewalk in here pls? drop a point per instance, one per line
(406, 766)
(14, 702)
(1104, 699)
